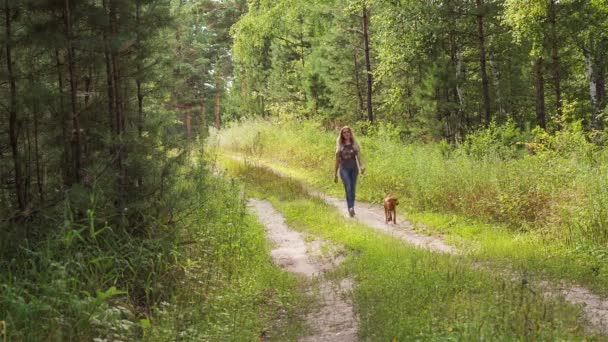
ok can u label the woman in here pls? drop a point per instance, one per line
(348, 162)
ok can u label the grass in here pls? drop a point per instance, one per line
(542, 213)
(198, 269)
(404, 293)
(238, 297)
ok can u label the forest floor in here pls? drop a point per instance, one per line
(336, 315)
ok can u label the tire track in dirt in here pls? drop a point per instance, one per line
(595, 307)
(333, 319)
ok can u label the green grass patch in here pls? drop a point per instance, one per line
(239, 296)
(522, 251)
(412, 294)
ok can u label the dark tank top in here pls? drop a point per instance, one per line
(347, 157)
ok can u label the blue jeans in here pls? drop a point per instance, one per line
(349, 178)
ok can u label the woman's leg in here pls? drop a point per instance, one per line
(346, 176)
(350, 193)
(353, 187)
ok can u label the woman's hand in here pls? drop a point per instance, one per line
(335, 178)
(362, 170)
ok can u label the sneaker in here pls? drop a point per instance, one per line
(351, 212)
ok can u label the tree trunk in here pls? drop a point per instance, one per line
(28, 162)
(301, 22)
(118, 110)
(597, 86)
(539, 87)
(203, 116)
(65, 124)
(368, 67)
(464, 122)
(109, 78)
(138, 81)
(482, 61)
(600, 87)
(84, 139)
(76, 132)
(120, 122)
(357, 83)
(140, 109)
(217, 109)
(12, 109)
(188, 124)
(499, 103)
(555, 59)
(39, 179)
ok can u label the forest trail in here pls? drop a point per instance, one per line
(595, 307)
(372, 215)
(332, 318)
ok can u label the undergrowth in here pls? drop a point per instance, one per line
(193, 266)
(403, 293)
(527, 199)
(553, 183)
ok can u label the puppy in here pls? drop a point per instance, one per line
(390, 209)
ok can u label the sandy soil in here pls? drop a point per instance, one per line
(332, 319)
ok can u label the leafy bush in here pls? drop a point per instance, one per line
(500, 141)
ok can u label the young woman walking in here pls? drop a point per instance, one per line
(348, 165)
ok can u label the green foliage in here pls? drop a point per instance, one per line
(308, 57)
(498, 141)
(230, 290)
(99, 188)
(523, 179)
(201, 269)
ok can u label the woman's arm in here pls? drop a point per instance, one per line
(360, 162)
(336, 166)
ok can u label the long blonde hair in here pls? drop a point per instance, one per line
(340, 140)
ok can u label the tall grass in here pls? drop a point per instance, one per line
(557, 187)
(195, 267)
(404, 293)
(540, 207)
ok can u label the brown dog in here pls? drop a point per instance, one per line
(390, 209)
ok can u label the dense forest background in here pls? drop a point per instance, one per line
(97, 92)
(106, 104)
(436, 69)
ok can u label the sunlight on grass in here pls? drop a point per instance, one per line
(533, 213)
(408, 293)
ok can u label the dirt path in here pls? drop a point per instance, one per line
(373, 215)
(333, 319)
(595, 308)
